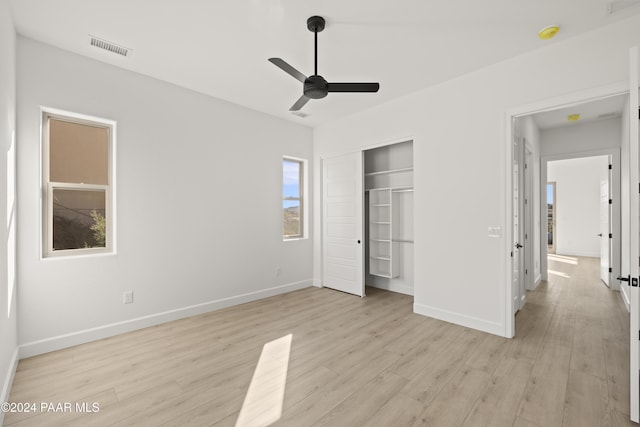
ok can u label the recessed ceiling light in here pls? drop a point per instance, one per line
(548, 32)
(573, 117)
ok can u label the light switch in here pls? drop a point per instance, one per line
(495, 231)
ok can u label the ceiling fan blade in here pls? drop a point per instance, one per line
(299, 103)
(280, 63)
(353, 87)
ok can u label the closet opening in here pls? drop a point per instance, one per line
(388, 217)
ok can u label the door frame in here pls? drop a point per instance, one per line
(553, 226)
(615, 220)
(510, 115)
(529, 228)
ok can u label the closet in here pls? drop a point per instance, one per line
(388, 187)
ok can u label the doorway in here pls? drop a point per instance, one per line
(551, 136)
(551, 217)
(579, 215)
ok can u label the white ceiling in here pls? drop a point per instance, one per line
(601, 109)
(220, 47)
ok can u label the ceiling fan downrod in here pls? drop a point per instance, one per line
(315, 24)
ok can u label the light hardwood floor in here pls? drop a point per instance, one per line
(356, 362)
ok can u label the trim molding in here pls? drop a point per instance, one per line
(59, 342)
(537, 282)
(401, 289)
(8, 380)
(461, 319)
(570, 252)
(625, 297)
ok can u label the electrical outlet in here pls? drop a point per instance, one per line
(127, 297)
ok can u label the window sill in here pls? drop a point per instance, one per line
(295, 239)
(77, 255)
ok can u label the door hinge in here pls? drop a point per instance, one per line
(526, 271)
(610, 201)
(610, 270)
(610, 236)
(610, 166)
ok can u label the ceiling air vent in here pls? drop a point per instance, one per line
(617, 5)
(608, 115)
(111, 47)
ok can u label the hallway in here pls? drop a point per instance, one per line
(578, 332)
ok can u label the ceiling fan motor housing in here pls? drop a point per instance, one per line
(315, 24)
(315, 87)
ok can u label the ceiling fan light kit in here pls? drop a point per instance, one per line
(315, 86)
(548, 32)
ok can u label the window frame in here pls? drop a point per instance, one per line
(48, 186)
(302, 191)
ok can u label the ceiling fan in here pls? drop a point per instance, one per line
(315, 86)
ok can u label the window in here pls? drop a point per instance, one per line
(78, 181)
(292, 198)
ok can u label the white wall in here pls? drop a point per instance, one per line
(460, 157)
(8, 314)
(578, 204)
(198, 204)
(581, 138)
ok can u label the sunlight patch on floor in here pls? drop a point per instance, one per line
(559, 273)
(564, 259)
(263, 403)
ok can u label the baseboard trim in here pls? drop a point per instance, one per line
(586, 254)
(460, 319)
(624, 294)
(401, 289)
(59, 342)
(8, 380)
(537, 281)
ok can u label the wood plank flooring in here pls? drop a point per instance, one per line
(355, 362)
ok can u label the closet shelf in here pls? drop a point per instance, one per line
(388, 171)
(383, 260)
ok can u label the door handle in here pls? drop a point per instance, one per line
(622, 279)
(518, 246)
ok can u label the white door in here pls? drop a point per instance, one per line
(516, 259)
(605, 241)
(634, 238)
(342, 223)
